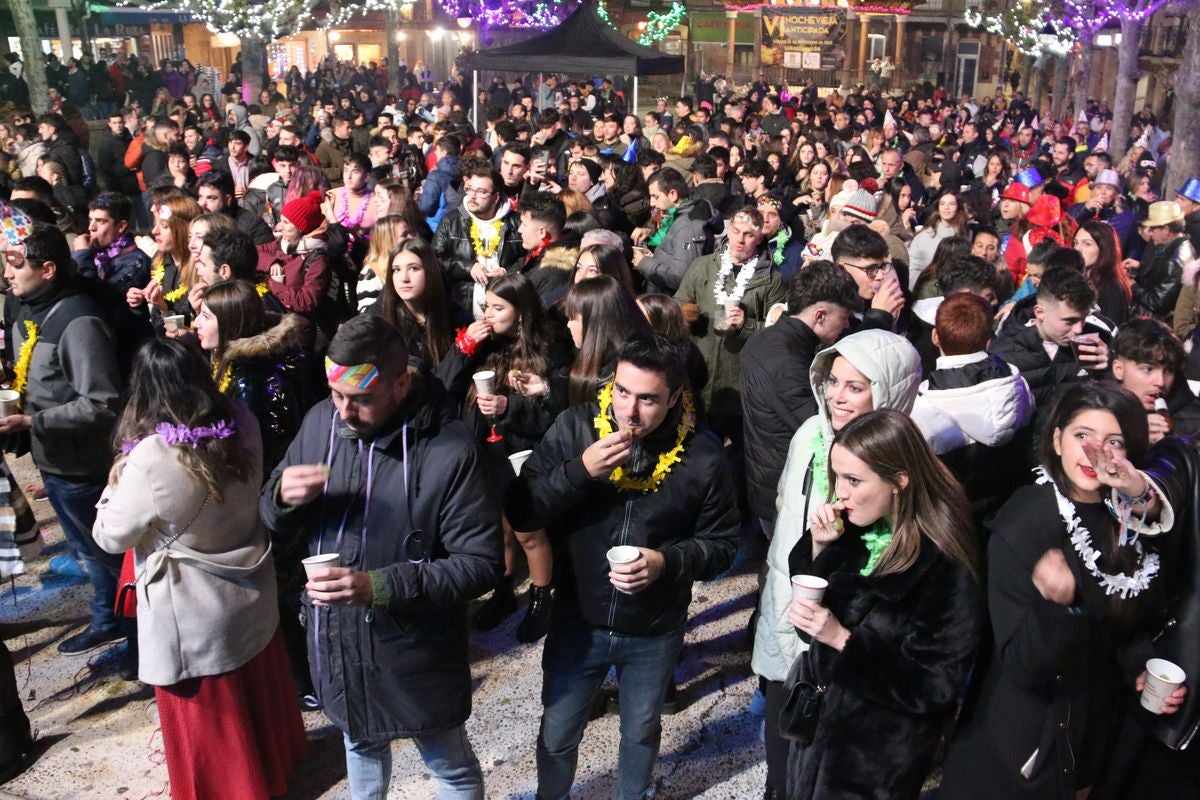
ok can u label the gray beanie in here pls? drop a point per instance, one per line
(860, 205)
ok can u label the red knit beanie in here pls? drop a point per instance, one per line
(305, 212)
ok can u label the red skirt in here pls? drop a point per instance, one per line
(234, 736)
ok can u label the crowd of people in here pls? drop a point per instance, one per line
(303, 377)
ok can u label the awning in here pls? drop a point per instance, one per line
(107, 15)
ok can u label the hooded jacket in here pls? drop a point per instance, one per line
(452, 243)
(242, 123)
(437, 193)
(972, 399)
(399, 668)
(690, 236)
(274, 378)
(691, 519)
(893, 368)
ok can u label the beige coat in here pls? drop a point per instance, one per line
(206, 603)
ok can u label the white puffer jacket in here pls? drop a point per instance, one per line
(893, 367)
(988, 412)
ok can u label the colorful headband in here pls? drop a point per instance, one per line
(744, 217)
(770, 201)
(359, 375)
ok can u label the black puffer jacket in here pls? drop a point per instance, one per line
(452, 243)
(777, 396)
(692, 520)
(401, 668)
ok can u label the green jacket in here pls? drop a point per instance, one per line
(722, 396)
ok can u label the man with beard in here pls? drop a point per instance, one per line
(478, 240)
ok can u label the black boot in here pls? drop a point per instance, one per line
(496, 608)
(537, 615)
(129, 659)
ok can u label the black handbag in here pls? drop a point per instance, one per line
(802, 706)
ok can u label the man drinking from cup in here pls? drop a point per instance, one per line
(387, 629)
(642, 505)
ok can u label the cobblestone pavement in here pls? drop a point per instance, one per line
(98, 735)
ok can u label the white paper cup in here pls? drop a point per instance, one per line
(518, 460)
(810, 587)
(10, 402)
(321, 563)
(485, 382)
(1162, 678)
(173, 323)
(623, 554)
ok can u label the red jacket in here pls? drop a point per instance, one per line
(305, 283)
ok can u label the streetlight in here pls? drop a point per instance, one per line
(464, 22)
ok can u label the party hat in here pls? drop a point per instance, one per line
(15, 223)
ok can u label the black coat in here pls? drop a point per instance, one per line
(452, 243)
(776, 399)
(1157, 282)
(897, 682)
(692, 520)
(1019, 344)
(1056, 682)
(1174, 465)
(401, 668)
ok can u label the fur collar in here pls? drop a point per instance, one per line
(287, 334)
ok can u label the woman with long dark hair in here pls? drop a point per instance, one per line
(514, 341)
(183, 494)
(1097, 242)
(1074, 599)
(602, 259)
(414, 300)
(947, 216)
(894, 634)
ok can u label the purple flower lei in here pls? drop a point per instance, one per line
(180, 435)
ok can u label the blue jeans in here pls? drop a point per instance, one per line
(74, 502)
(575, 661)
(447, 754)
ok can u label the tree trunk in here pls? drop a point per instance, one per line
(253, 59)
(1062, 66)
(1127, 78)
(393, 51)
(31, 55)
(1185, 128)
(85, 39)
(1083, 71)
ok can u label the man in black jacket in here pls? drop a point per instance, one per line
(61, 144)
(642, 479)
(777, 396)
(1036, 338)
(110, 156)
(477, 240)
(417, 536)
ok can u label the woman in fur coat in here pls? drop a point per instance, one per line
(895, 633)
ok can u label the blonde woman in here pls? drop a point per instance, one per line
(170, 273)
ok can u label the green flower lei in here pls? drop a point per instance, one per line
(879, 536)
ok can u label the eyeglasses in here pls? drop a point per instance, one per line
(871, 270)
(479, 192)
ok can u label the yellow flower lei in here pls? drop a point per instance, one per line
(651, 483)
(225, 379)
(158, 273)
(477, 242)
(21, 369)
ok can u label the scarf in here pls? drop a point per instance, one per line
(665, 225)
(776, 245)
(105, 257)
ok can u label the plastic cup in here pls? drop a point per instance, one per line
(321, 563)
(1162, 678)
(173, 323)
(623, 554)
(10, 402)
(810, 587)
(720, 319)
(1083, 338)
(518, 460)
(485, 382)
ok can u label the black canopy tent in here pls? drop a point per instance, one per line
(583, 43)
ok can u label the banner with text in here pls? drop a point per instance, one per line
(802, 30)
